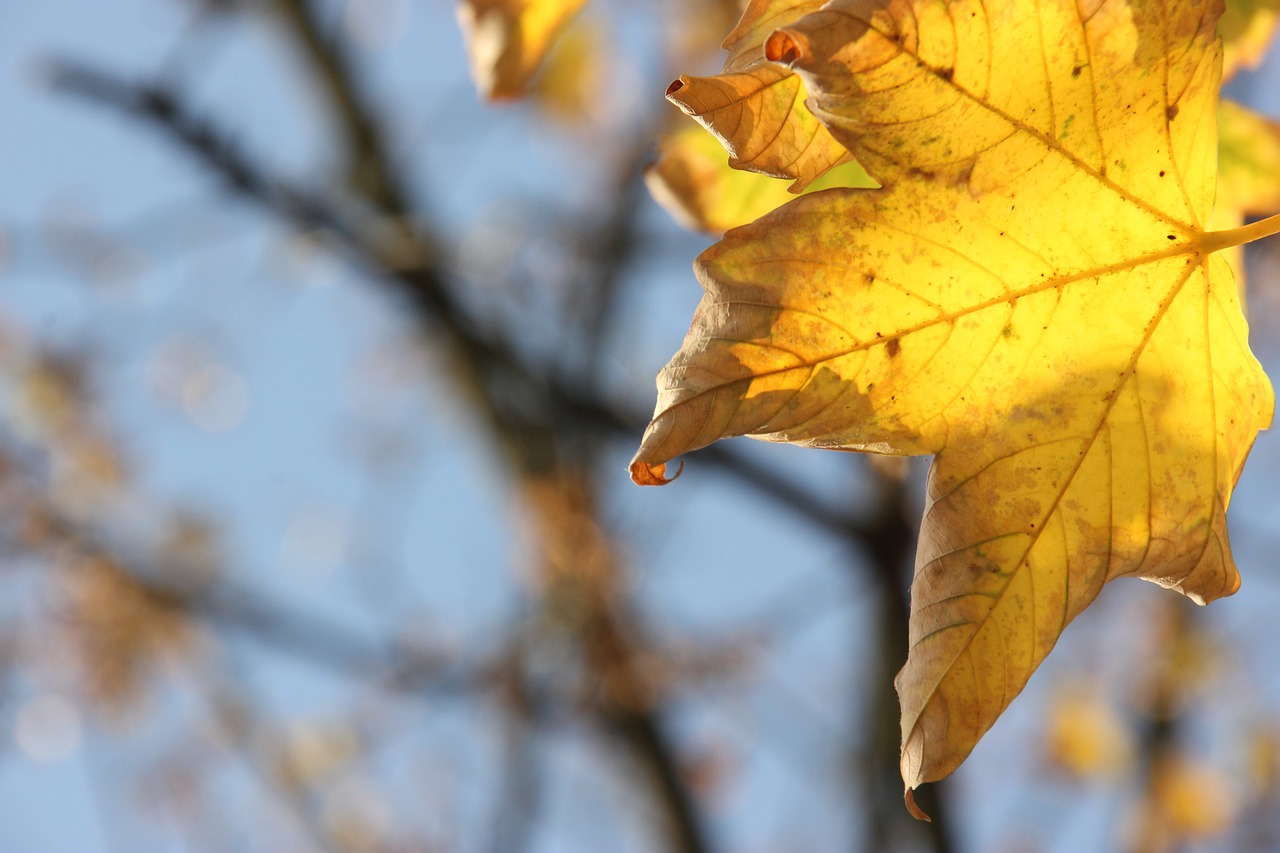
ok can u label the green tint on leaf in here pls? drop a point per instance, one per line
(692, 180)
(1248, 165)
(1247, 28)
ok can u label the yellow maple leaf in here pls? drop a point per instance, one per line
(1033, 296)
(693, 181)
(507, 40)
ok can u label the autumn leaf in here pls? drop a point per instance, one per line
(757, 111)
(1248, 172)
(1085, 737)
(507, 40)
(693, 181)
(1190, 802)
(757, 107)
(1247, 28)
(1032, 296)
(1248, 165)
(745, 42)
(570, 89)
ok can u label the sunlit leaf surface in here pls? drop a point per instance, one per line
(1033, 296)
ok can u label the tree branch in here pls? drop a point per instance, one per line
(484, 366)
(410, 265)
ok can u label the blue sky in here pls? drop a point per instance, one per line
(288, 335)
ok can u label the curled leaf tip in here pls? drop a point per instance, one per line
(786, 46)
(644, 474)
(676, 86)
(916, 812)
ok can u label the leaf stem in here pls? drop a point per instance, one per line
(1217, 240)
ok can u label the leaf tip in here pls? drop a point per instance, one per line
(916, 812)
(644, 474)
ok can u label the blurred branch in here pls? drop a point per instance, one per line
(1161, 822)
(643, 732)
(234, 722)
(306, 211)
(531, 441)
(533, 426)
(518, 796)
(485, 367)
(371, 168)
(611, 244)
(252, 614)
(889, 535)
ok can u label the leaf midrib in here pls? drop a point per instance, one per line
(947, 319)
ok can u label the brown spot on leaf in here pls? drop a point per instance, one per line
(893, 347)
(1172, 112)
